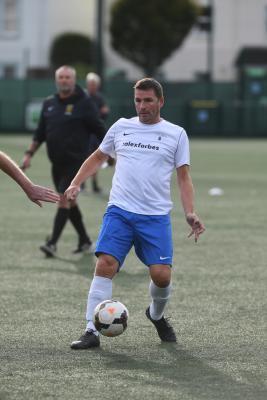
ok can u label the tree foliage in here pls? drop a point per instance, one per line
(71, 49)
(146, 32)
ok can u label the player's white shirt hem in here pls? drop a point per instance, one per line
(147, 155)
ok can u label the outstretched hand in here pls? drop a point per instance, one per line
(197, 227)
(37, 194)
(72, 192)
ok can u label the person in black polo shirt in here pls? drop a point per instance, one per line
(67, 120)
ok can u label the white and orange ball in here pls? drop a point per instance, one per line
(111, 318)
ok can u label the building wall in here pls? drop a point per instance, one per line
(238, 23)
(72, 16)
(39, 21)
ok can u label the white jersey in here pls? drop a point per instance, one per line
(146, 156)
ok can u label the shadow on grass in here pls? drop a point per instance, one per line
(167, 370)
(84, 265)
(182, 372)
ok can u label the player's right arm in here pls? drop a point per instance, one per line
(88, 168)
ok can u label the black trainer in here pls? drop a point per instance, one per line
(49, 249)
(164, 329)
(86, 341)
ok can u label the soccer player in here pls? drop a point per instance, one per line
(93, 83)
(67, 120)
(148, 149)
(36, 193)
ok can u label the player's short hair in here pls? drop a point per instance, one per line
(73, 70)
(150, 83)
(93, 77)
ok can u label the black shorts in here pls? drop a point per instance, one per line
(63, 175)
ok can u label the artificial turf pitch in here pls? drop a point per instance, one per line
(217, 307)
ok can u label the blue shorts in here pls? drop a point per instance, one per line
(151, 236)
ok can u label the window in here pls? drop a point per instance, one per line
(9, 18)
(8, 71)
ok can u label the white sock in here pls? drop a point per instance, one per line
(100, 290)
(160, 297)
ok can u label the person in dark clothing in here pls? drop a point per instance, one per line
(67, 120)
(93, 83)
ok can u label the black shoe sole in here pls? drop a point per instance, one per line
(80, 346)
(85, 348)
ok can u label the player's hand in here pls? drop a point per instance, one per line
(72, 192)
(37, 194)
(26, 162)
(197, 227)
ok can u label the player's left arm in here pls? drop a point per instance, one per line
(185, 184)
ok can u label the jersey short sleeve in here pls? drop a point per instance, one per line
(107, 146)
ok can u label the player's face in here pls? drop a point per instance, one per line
(65, 81)
(147, 106)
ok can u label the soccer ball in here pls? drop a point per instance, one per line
(110, 318)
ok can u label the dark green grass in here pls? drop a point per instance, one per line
(217, 307)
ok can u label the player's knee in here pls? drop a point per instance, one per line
(161, 276)
(106, 266)
(161, 282)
